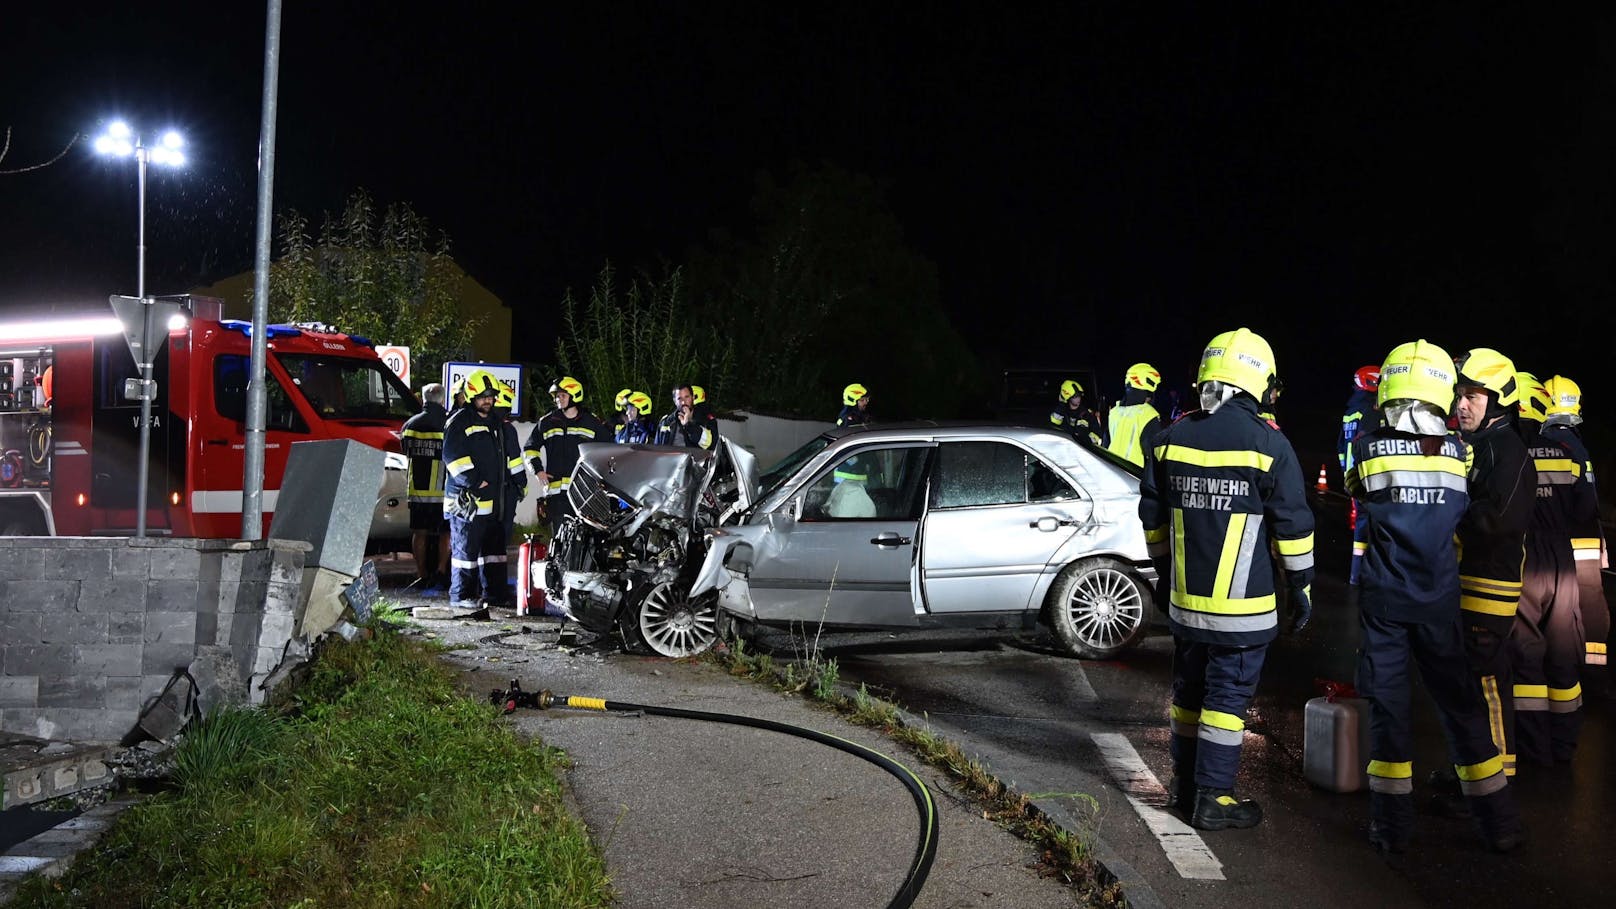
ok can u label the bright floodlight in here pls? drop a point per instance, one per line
(173, 140)
(119, 130)
(177, 322)
(164, 155)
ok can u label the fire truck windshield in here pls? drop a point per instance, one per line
(344, 388)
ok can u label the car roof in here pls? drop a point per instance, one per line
(942, 429)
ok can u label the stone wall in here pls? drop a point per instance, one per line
(93, 628)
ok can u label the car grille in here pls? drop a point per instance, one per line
(595, 504)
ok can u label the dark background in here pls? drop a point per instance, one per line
(1098, 184)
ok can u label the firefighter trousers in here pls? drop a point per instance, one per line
(1486, 651)
(1595, 612)
(476, 552)
(1212, 687)
(1437, 647)
(1546, 647)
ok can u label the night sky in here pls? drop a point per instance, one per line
(1098, 184)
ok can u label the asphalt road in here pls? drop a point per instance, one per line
(1066, 731)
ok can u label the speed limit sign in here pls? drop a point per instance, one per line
(397, 359)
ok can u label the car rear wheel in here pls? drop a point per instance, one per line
(669, 623)
(1097, 609)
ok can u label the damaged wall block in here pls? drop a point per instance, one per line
(328, 499)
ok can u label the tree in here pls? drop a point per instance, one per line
(386, 276)
(645, 339)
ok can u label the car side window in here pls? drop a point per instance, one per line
(1045, 484)
(882, 484)
(972, 474)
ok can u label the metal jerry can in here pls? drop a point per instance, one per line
(530, 578)
(1335, 743)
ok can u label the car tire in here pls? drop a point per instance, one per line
(1097, 609)
(667, 622)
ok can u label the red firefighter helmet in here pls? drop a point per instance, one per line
(1367, 378)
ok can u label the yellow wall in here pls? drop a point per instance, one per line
(492, 343)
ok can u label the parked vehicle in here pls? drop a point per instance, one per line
(902, 527)
(71, 435)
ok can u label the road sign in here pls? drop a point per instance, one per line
(509, 373)
(140, 316)
(397, 359)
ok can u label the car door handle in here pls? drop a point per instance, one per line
(1050, 524)
(889, 539)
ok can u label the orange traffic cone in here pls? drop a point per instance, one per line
(1323, 485)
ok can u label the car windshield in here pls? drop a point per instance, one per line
(771, 479)
(346, 388)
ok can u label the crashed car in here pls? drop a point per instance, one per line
(891, 528)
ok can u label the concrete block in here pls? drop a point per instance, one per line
(176, 561)
(108, 659)
(74, 628)
(207, 627)
(20, 563)
(163, 659)
(40, 659)
(130, 564)
(124, 692)
(219, 679)
(324, 604)
(327, 499)
(39, 596)
(83, 690)
(70, 564)
(275, 630)
(22, 628)
(171, 627)
(105, 593)
(126, 627)
(19, 691)
(172, 595)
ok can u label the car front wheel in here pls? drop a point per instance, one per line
(671, 624)
(1097, 609)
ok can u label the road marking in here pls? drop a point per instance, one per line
(1184, 847)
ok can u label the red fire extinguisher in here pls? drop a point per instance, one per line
(530, 589)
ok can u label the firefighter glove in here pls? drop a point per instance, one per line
(1300, 607)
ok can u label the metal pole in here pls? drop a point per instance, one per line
(145, 363)
(252, 480)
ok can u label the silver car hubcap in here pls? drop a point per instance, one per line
(673, 626)
(1105, 608)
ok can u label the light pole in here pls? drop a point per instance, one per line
(121, 141)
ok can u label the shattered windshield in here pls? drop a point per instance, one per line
(345, 388)
(779, 473)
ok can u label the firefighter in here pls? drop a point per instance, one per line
(1588, 538)
(621, 401)
(690, 424)
(422, 443)
(855, 406)
(1221, 491)
(1546, 643)
(475, 490)
(495, 566)
(1360, 417)
(636, 426)
(552, 446)
(1491, 534)
(1072, 418)
(457, 394)
(1408, 475)
(1134, 421)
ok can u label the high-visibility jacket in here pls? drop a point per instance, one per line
(472, 457)
(1360, 417)
(552, 446)
(1492, 535)
(1131, 427)
(515, 469)
(1218, 490)
(1081, 424)
(1411, 502)
(1587, 535)
(422, 443)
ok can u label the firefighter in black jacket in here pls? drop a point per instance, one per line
(1546, 643)
(552, 446)
(691, 424)
(1408, 475)
(474, 494)
(422, 443)
(1072, 418)
(1587, 539)
(855, 406)
(1220, 487)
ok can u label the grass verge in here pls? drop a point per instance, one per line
(1061, 853)
(374, 784)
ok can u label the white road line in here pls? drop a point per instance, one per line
(1184, 847)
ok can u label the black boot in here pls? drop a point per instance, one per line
(1218, 809)
(1181, 795)
(1391, 823)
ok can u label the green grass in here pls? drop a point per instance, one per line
(382, 786)
(1062, 853)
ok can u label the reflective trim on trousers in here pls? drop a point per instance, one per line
(1391, 777)
(1565, 700)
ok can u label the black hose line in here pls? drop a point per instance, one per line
(925, 849)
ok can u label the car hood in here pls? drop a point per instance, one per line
(617, 487)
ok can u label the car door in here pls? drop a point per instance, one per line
(997, 516)
(843, 551)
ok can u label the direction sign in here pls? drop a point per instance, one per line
(509, 373)
(397, 359)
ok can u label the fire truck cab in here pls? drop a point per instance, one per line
(70, 438)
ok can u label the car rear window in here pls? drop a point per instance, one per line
(980, 473)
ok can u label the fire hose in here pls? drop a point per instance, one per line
(925, 850)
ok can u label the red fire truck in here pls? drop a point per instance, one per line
(69, 436)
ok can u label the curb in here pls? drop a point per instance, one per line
(51, 852)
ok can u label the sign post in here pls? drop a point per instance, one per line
(138, 315)
(511, 374)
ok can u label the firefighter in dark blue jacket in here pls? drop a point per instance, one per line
(1546, 644)
(495, 567)
(1072, 418)
(1587, 540)
(855, 406)
(422, 441)
(635, 428)
(1221, 490)
(474, 493)
(1408, 475)
(552, 446)
(1360, 416)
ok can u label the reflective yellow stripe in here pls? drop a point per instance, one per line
(514, 464)
(1230, 555)
(1416, 463)
(476, 428)
(584, 431)
(1584, 542)
(1596, 647)
(417, 434)
(1564, 694)
(1220, 720)
(1392, 770)
(1179, 581)
(554, 432)
(530, 453)
(1156, 535)
(1296, 547)
(1487, 606)
(1183, 714)
(1495, 710)
(1473, 772)
(1491, 585)
(1554, 464)
(460, 465)
(1531, 691)
(1223, 605)
(1199, 458)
